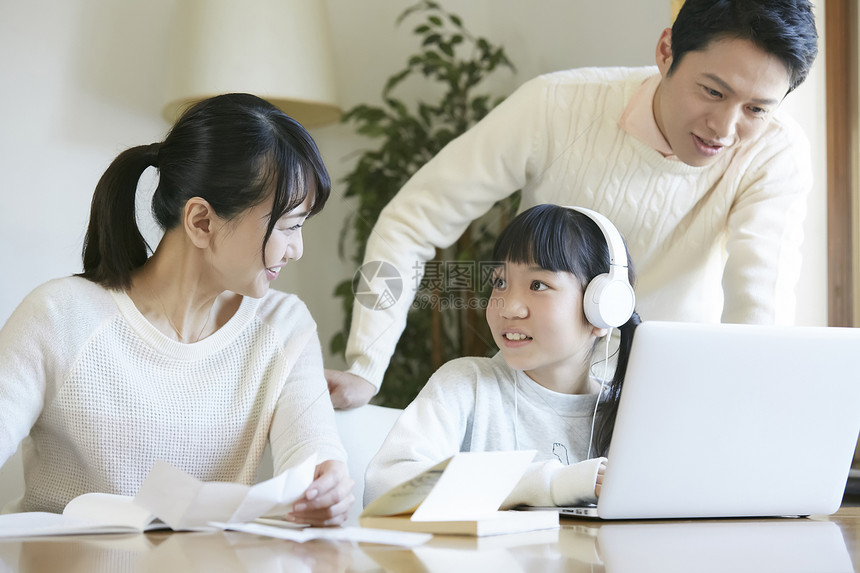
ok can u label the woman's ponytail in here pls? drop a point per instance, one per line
(113, 245)
(609, 401)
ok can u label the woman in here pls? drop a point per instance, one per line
(185, 355)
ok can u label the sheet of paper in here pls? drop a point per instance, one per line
(405, 497)
(185, 503)
(474, 485)
(352, 534)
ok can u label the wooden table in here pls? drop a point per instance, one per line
(816, 544)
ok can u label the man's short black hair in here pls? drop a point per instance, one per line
(782, 28)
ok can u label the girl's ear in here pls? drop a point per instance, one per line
(599, 332)
(198, 219)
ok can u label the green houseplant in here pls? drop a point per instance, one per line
(450, 323)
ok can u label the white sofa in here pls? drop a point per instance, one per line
(362, 431)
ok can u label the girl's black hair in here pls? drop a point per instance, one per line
(233, 150)
(559, 239)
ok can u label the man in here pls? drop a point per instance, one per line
(691, 161)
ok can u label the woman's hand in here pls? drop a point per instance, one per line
(328, 499)
(599, 483)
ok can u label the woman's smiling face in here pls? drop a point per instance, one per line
(236, 252)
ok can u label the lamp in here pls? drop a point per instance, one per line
(276, 49)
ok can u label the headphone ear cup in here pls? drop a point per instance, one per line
(608, 302)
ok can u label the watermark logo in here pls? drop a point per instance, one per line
(453, 285)
(444, 302)
(377, 285)
(438, 285)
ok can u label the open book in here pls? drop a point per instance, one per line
(87, 513)
(168, 499)
(460, 496)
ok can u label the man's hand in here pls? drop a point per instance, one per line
(600, 471)
(348, 390)
(328, 499)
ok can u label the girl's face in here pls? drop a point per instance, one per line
(537, 321)
(236, 249)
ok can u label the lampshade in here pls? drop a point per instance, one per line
(276, 49)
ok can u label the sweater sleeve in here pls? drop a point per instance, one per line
(765, 231)
(484, 165)
(39, 343)
(428, 431)
(303, 421)
(24, 365)
(551, 483)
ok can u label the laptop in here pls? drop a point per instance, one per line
(730, 420)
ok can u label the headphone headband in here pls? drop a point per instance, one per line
(617, 250)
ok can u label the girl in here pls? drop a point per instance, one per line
(539, 391)
(185, 355)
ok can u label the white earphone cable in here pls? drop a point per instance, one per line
(516, 414)
(608, 339)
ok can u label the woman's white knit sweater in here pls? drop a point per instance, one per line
(97, 393)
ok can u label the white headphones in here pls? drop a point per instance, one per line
(609, 299)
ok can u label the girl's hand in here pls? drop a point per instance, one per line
(600, 471)
(328, 499)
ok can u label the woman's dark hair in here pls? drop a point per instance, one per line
(782, 28)
(560, 239)
(232, 150)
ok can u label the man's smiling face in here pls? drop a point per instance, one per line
(717, 97)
